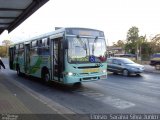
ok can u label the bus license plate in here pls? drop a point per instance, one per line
(91, 70)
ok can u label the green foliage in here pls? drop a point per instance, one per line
(155, 43)
(3, 51)
(136, 44)
(119, 43)
(132, 40)
(146, 50)
(132, 35)
(4, 48)
(130, 48)
(139, 45)
(6, 42)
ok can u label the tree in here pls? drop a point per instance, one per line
(132, 35)
(119, 43)
(140, 41)
(6, 44)
(132, 40)
(146, 50)
(2, 51)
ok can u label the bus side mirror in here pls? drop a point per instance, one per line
(65, 44)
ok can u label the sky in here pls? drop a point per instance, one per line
(114, 17)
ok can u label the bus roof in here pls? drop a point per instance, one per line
(61, 30)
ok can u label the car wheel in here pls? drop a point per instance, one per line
(115, 73)
(125, 72)
(157, 67)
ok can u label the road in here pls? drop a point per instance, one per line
(116, 94)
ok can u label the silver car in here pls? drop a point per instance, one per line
(124, 66)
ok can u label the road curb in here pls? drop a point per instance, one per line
(50, 103)
(61, 110)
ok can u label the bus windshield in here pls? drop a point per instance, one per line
(84, 49)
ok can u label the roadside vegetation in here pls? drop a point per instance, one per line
(4, 48)
(139, 45)
(134, 44)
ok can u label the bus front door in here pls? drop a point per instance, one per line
(27, 58)
(57, 59)
(11, 58)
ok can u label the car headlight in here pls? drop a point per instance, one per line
(134, 68)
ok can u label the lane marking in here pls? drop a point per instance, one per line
(118, 103)
(110, 100)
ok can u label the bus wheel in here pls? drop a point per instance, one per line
(19, 72)
(46, 77)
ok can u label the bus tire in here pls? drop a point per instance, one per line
(18, 71)
(46, 77)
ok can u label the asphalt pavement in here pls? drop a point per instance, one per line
(151, 69)
(15, 100)
(102, 96)
(17, 103)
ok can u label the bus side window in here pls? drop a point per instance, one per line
(17, 48)
(34, 46)
(45, 42)
(39, 43)
(34, 43)
(40, 47)
(44, 50)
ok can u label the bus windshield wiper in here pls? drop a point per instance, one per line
(84, 46)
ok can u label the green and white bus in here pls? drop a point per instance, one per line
(66, 55)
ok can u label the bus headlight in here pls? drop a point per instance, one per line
(70, 73)
(104, 71)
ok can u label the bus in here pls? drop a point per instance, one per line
(66, 55)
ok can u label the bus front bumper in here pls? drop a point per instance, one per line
(69, 79)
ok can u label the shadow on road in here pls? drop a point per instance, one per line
(52, 84)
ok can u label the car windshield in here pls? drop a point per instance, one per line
(126, 61)
(82, 50)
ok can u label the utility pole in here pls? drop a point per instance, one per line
(137, 51)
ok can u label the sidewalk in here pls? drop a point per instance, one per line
(151, 69)
(17, 104)
(15, 100)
